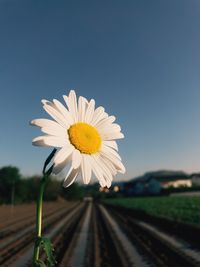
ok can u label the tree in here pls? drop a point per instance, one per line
(9, 181)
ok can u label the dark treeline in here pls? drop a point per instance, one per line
(17, 189)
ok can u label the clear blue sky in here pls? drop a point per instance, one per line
(138, 58)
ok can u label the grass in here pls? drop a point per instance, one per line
(181, 209)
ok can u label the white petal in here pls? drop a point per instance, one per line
(61, 158)
(109, 151)
(44, 102)
(82, 105)
(97, 171)
(112, 136)
(72, 105)
(49, 103)
(59, 167)
(106, 171)
(109, 128)
(76, 159)
(48, 140)
(112, 144)
(57, 130)
(63, 111)
(55, 114)
(90, 111)
(99, 114)
(63, 153)
(109, 119)
(116, 162)
(39, 141)
(102, 183)
(86, 170)
(45, 123)
(71, 176)
(66, 98)
(109, 165)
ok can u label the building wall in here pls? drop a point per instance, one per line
(177, 183)
(196, 180)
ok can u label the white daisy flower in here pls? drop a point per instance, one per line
(83, 135)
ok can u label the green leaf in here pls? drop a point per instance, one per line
(47, 173)
(48, 161)
(39, 263)
(45, 244)
(48, 248)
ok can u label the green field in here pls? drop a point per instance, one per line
(181, 209)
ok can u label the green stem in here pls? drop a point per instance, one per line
(39, 218)
(46, 174)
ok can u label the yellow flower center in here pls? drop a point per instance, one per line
(85, 138)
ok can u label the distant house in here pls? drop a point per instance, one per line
(195, 179)
(139, 187)
(168, 179)
(134, 188)
(174, 181)
(153, 186)
(152, 183)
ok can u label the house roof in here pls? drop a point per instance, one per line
(162, 176)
